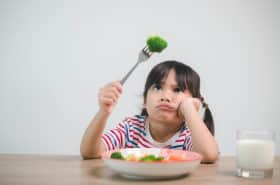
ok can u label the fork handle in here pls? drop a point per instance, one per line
(129, 73)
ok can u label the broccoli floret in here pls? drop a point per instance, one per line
(156, 44)
(117, 155)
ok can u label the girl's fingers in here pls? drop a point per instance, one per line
(110, 93)
(107, 104)
(179, 112)
(114, 87)
(189, 103)
(106, 101)
(118, 86)
(111, 96)
(197, 103)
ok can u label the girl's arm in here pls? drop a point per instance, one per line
(91, 145)
(202, 140)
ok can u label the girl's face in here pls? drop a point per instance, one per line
(163, 100)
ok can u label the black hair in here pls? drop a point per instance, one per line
(186, 78)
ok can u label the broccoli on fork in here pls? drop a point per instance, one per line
(153, 44)
(156, 43)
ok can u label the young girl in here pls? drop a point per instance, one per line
(171, 117)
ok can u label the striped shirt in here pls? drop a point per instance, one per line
(134, 133)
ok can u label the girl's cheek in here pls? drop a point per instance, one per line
(182, 97)
(187, 93)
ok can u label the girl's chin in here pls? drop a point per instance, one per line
(162, 116)
(168, 119)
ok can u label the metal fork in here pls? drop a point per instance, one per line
(144, 55)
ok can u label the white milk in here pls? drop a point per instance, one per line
(255, 154)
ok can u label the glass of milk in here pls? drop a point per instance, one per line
(255, 153)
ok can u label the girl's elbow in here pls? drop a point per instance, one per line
(85, 154)
(92, 152)
(84, 157)
(210, 157)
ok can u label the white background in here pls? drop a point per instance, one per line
(55, 55)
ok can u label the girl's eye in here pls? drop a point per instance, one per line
(157, 87)
(177, 90)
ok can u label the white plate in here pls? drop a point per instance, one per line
(188, 162)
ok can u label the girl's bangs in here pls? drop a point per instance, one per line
(181, 78)
(161, 74)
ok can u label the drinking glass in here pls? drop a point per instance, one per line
(255, 153)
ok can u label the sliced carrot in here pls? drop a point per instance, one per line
(175, 158)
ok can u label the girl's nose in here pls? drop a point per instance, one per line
(165, 96)
(164, 100)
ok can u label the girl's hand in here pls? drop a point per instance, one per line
(188, 104)
(109, 95)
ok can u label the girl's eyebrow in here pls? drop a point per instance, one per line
(161, 82)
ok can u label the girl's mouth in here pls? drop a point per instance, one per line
(166, 107)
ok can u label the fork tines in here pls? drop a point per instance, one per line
(147, 51)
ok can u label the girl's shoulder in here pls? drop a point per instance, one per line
(136, 119)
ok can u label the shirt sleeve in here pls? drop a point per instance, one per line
(188, 140)
(115, 138)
